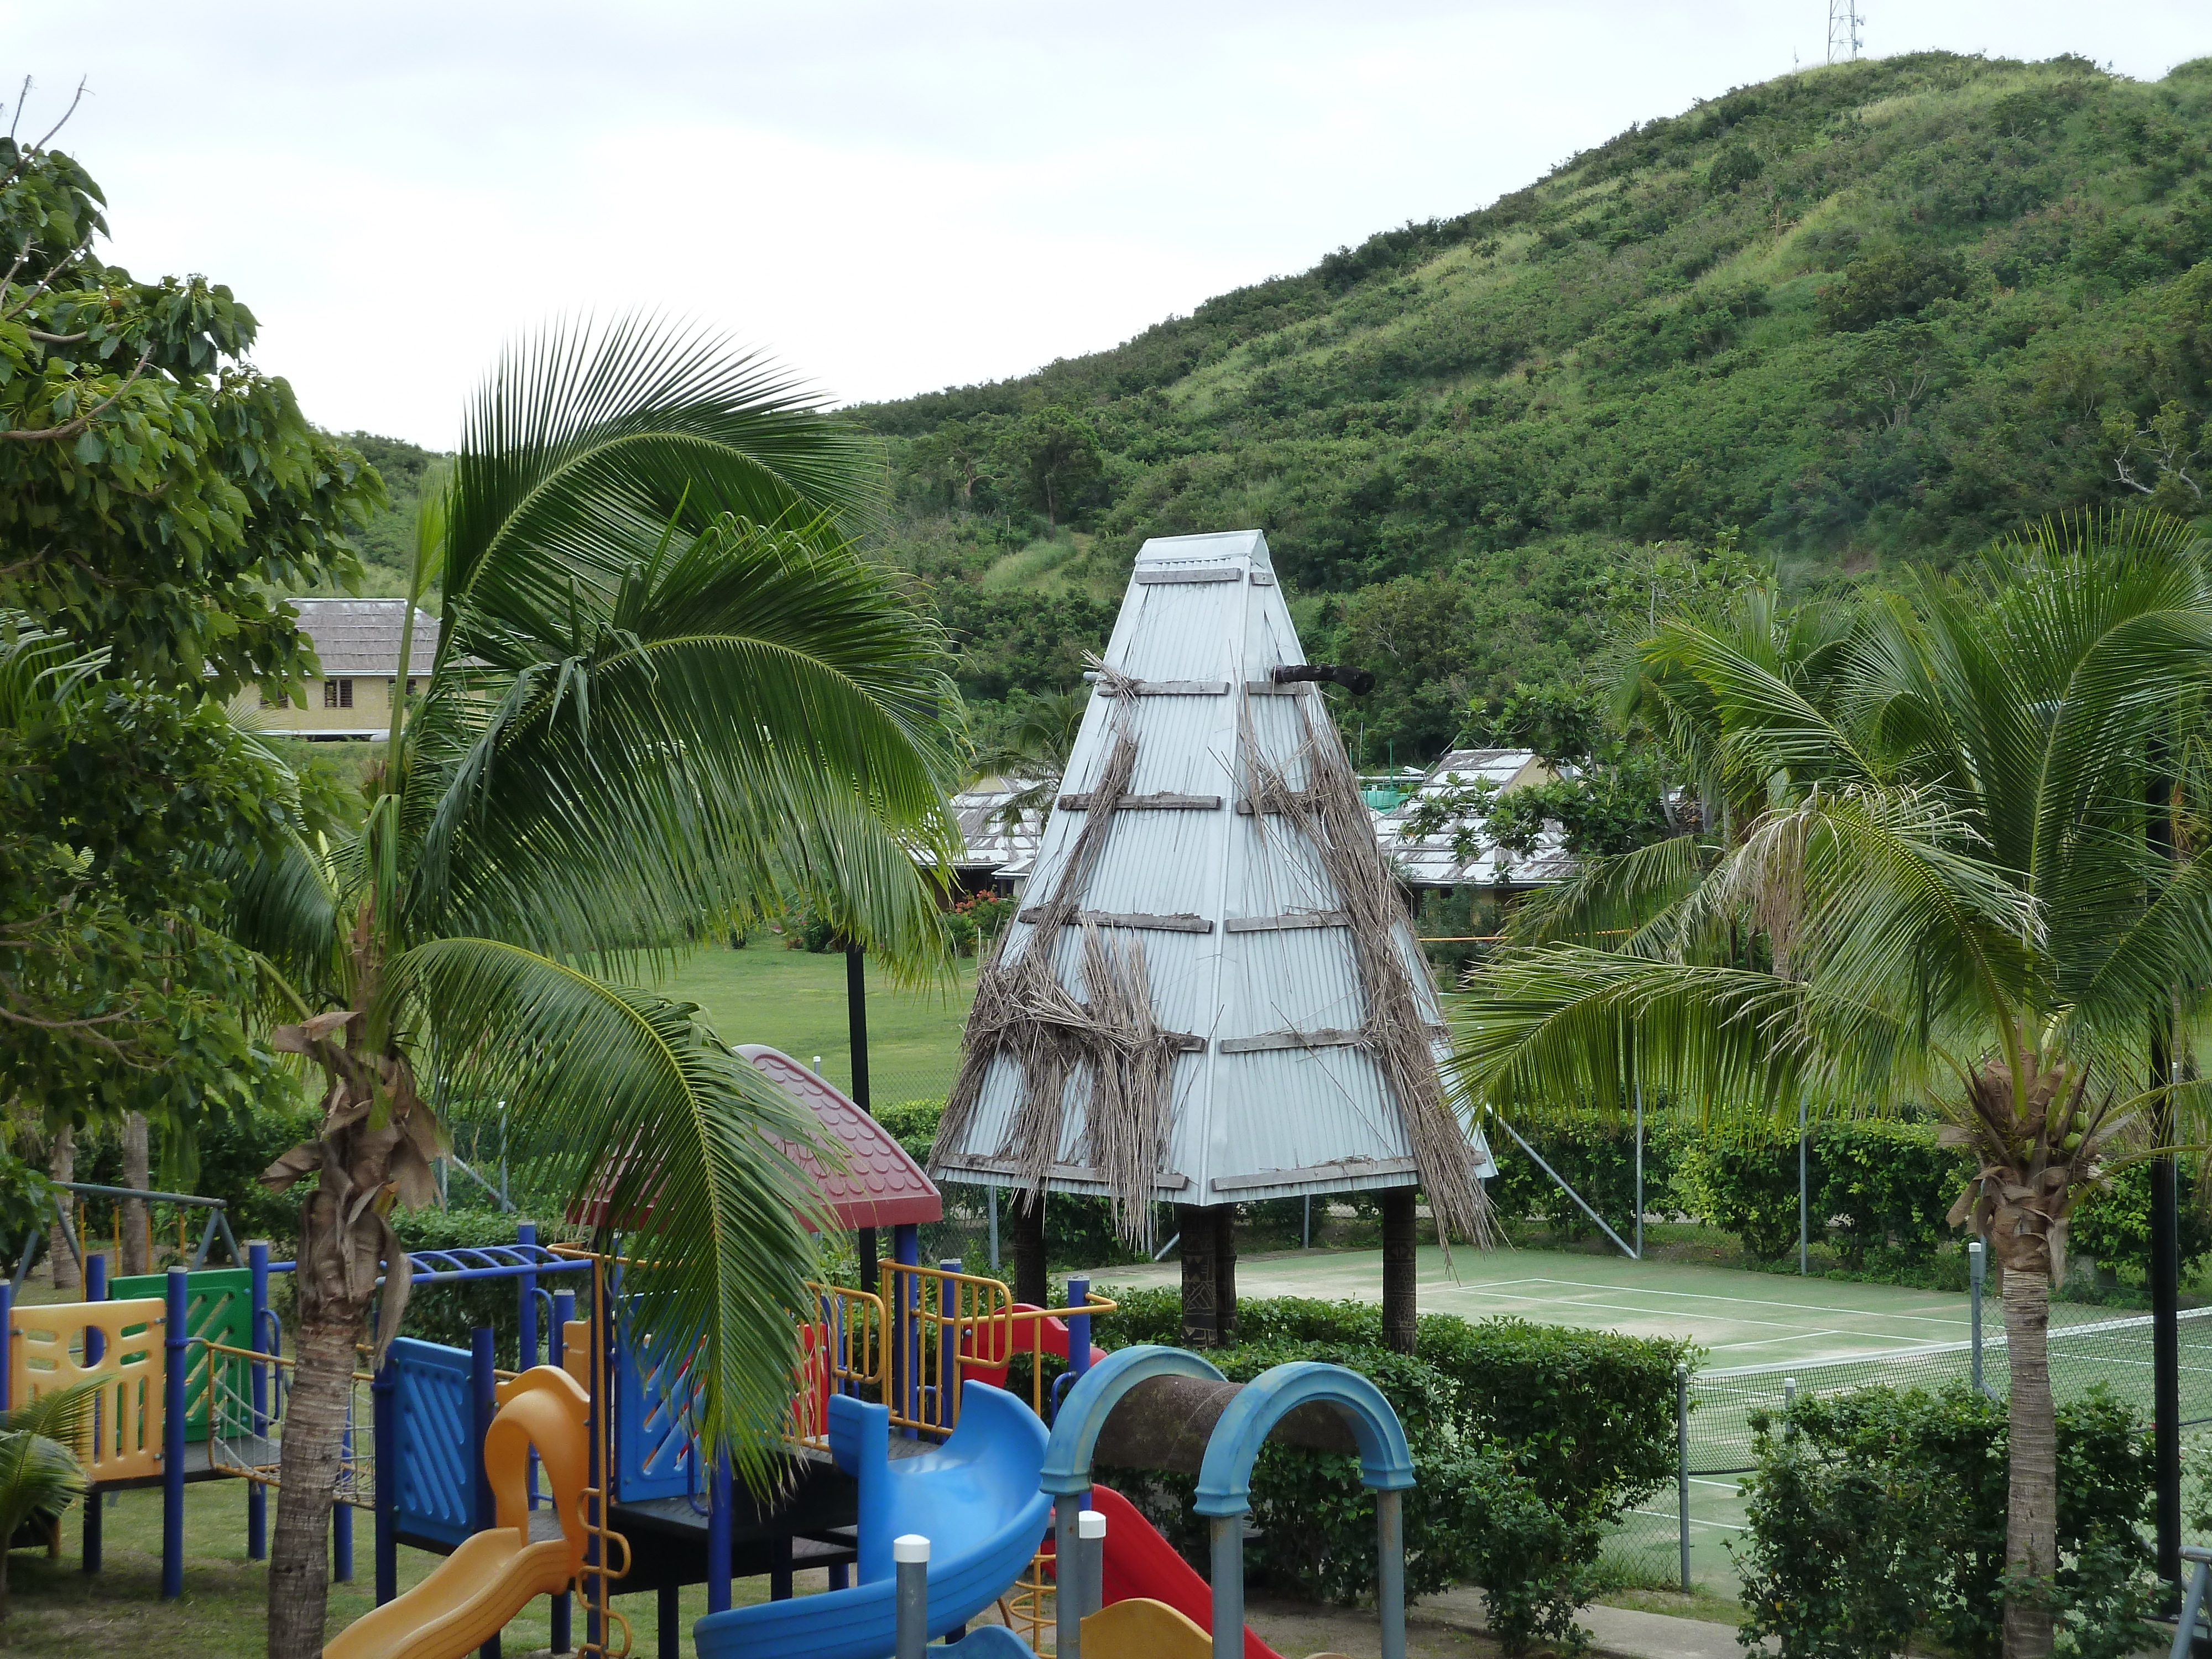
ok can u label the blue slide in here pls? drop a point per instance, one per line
(975, 1498)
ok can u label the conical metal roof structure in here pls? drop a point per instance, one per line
(1212, 994)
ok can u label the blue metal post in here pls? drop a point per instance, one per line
(948, 1349)
(7, 1338)
(384, 1426)
(1078, 1328)
(719, 1496)
(257, 1495)
(175, 1334)
(906, 1250)
(95, 1345)
(556, 1351)
(483, 1382)
(526, 1234)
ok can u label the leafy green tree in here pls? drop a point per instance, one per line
(156, 495)
(1938, 880)
(1060, 460)
(156, 492)
(668, 698)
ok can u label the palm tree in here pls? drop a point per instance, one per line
(1945, 886)
(1034, 751)
(667, 695)
(40, 1473)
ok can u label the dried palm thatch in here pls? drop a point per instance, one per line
(1023, 1011)
(1331, 815)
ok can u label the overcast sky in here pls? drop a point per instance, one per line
(888, 197)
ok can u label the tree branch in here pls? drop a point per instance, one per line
(39, 148)
(71, 429)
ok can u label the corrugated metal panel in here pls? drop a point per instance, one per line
(1253, 1119)
(361, 636)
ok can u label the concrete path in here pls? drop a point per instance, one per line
(1440, 1626)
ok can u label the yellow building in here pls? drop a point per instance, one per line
(358, 641)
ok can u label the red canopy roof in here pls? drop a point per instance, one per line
(882, 1186)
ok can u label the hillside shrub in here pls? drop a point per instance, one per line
(1878, 1516)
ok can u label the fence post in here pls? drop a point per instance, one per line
(1682, 1463)
(1804, 1202)
(383, 1418)
(257, 1495)
(1977, 1265)
(1639, 1170)
(95, 1345)
(175, 1333)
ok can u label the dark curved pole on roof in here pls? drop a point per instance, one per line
(1225, 1490)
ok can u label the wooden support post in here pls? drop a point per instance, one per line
(1399, 1312)
(1030, 1284)
(1224, 1272)
(1202, 1328)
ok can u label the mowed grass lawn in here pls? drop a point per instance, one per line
(795, 1000)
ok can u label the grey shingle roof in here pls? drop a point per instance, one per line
(361, 636)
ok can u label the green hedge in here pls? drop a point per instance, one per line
(1878, 1516)
(1530, 1442)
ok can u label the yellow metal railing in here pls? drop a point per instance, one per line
(947, 1327)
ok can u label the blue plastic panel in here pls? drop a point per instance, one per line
(434, 1472)
(656, 1417)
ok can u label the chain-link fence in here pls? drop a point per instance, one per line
(1686, 1531)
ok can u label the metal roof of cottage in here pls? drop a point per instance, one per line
(991, 841)
(361, 637)
(1431, 861)
(1233, 1006)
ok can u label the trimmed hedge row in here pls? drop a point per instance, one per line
(1530, 1441)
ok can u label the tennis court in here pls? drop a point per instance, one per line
(1763, 1335)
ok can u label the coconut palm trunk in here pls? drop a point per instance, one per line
(2032, 1491)
(667, 696)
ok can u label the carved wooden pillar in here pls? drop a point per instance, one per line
(1399, 1310)
(1200, 1324)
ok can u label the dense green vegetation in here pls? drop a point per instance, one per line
(1872, 313)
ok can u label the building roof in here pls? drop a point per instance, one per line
(1431, 860)
(992, 844)
(1249, 963)
(881, 1186)
(361, 636)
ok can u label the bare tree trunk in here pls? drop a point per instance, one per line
(61, 1164)
(314, 1421)
(138, 1225)
(2032, 1511)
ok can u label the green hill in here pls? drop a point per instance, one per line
(1872, 313)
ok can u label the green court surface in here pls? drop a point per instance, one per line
(1737, 1318)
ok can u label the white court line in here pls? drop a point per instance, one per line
(1735, 1487)
(1630, 1307)
(1756, 1302)
(1769, 1341)
(1661, 1515)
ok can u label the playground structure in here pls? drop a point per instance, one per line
(584, 1474)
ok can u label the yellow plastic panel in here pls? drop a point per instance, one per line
(126, 1441)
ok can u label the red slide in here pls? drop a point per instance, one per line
(1141, 1562)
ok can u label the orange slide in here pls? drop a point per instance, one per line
(492, 1577)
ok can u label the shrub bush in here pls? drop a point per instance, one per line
(1878, 1516)
(1887, 1182)
(1746, 1185)
(1597, 1159)
(2112, 1224)
(1530, 1442)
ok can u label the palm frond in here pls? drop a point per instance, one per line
(40, 1471)
(689, 1149)
(583, 435)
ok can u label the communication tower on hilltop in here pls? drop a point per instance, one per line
(1843, 23)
